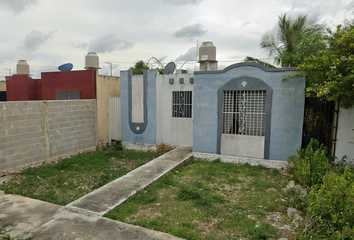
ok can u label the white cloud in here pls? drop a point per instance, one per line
(190, 31)
(191, 54)
(183, 2)
(123, 31)
(161, 59)
(17, 6)
(34, 40)
(106, 44)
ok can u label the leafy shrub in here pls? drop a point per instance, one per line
(331, 207)
(310, 165)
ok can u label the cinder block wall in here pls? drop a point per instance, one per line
(71, 126)
(22, 135)
(34, 131)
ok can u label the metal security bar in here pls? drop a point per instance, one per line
(244, 112)
(182, 104)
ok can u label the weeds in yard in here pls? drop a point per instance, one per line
(210, 201)
(69, 179)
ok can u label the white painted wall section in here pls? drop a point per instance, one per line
(345, 134)
(171, 130)
(137, 99)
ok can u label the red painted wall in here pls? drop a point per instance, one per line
(83, 81)
(32, 89)
(39, 89)
(22, 88)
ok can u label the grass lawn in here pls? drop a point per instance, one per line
(69, 179)
(207, 200)
(203, 200)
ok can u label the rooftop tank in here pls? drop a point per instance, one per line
(207, 57)
(91, 61)
(207, 52)
(22, 67)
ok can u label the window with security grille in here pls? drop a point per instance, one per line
(182, 104)
(66, 95)
(244, 112)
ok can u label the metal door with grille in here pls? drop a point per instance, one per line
(243, 123)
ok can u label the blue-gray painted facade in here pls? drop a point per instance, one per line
(286, 116)
(284, 107)
(149, 134)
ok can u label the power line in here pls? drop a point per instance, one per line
(110, 65)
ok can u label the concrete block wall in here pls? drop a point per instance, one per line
(34, 131)
(71, 126)
(22, 134)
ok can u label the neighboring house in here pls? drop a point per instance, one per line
(344, 144)
(52, 86)
(244, 110)
(67, 85)
(2, 91)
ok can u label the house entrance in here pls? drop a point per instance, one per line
(244, 110)
(243, 123)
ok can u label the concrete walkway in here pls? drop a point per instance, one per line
(82, 219)
(114, 193)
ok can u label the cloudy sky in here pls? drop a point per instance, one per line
(48, 33)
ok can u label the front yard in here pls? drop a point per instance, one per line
(69, 179)
(211, 201)
(203, 200)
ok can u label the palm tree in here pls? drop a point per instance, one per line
(290, 34)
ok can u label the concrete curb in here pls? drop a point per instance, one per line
(277, 164)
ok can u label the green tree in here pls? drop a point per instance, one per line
(328, 63)
(290, 33)
(139, 67)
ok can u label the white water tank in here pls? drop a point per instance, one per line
(92, 61)
(207, 57)
(22, 68)
(207, 51)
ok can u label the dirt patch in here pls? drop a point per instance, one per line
(276, 219)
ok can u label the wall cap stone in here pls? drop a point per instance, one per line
(246, 64)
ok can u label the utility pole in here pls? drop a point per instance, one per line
(111, 66)
(9, 71)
